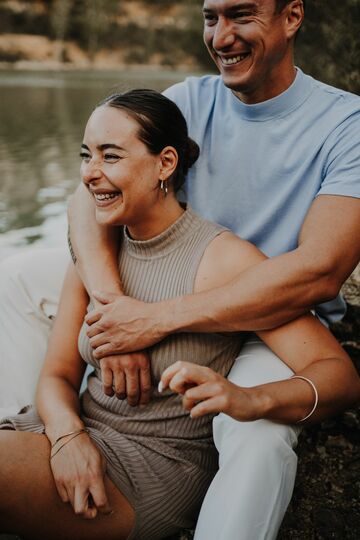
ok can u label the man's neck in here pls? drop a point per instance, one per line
(274, 85)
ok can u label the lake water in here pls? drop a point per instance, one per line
(42, 117)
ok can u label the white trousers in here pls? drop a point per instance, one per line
(257, 464)
(249, 495)
(30, 285)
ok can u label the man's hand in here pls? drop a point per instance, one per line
(122, 324)
(127, 375)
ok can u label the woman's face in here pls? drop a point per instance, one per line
(118, 169)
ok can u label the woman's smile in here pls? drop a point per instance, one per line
(106, 198)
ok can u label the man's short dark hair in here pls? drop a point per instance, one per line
(280, 4)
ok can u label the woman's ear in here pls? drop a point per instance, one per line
(169, 161)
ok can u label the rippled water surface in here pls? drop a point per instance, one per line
(42, 116)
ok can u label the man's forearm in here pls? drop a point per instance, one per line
(265, 296)
(262, 297)
(280, 289)
(94, 248)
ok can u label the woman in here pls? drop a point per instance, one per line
(142, 472)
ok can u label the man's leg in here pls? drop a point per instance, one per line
(249, 495)
(30, 285)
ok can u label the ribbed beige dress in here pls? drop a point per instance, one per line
(161, 459)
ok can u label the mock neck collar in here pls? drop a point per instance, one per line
(165, 241)
(280, 105)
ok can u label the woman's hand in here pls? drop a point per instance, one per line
(79, 470)
(205, 391)
(127, 375)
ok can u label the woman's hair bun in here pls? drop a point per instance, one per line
(192, 153)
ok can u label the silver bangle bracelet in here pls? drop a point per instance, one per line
(315, 393)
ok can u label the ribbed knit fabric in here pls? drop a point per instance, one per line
(161, 459)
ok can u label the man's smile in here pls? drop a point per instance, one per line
(232, 60)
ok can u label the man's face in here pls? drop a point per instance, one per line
(249, 43)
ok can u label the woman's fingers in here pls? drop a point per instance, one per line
(107, 380)
(181, 375)
(99, 497)
(82, 505)
(223, 396)
(132, 386)
(89, 496)
(129, 375)
(168, 374)
(210, 406)
(119, 383)
(205, 392)
(145, 384)
(63, 494)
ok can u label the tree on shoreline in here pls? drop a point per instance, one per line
(59, 19)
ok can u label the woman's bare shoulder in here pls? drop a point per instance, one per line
(224, 259)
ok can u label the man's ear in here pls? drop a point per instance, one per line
(169, 160)
(294, 12)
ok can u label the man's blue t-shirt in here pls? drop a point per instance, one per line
(261, 166)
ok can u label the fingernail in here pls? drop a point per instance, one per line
(160, 387)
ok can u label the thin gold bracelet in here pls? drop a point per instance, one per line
(81, 430)
(66, 442)
(315, 393)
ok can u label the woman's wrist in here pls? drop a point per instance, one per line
(262, 403)
(284, 401)
(63, 440)
(62, 428)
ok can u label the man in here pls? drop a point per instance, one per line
(279, 166)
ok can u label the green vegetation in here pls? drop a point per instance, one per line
(329, 44)
(171, 31)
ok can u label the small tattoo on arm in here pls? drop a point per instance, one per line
(71, 249)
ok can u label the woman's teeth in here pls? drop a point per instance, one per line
(105, 196)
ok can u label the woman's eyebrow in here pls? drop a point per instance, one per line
(109, 145)
(105, 146)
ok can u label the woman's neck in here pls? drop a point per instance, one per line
(163, 216)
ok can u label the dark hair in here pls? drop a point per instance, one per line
(161, 124)
(280, 4)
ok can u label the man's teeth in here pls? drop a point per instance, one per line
(105, 196)
(234, 59)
